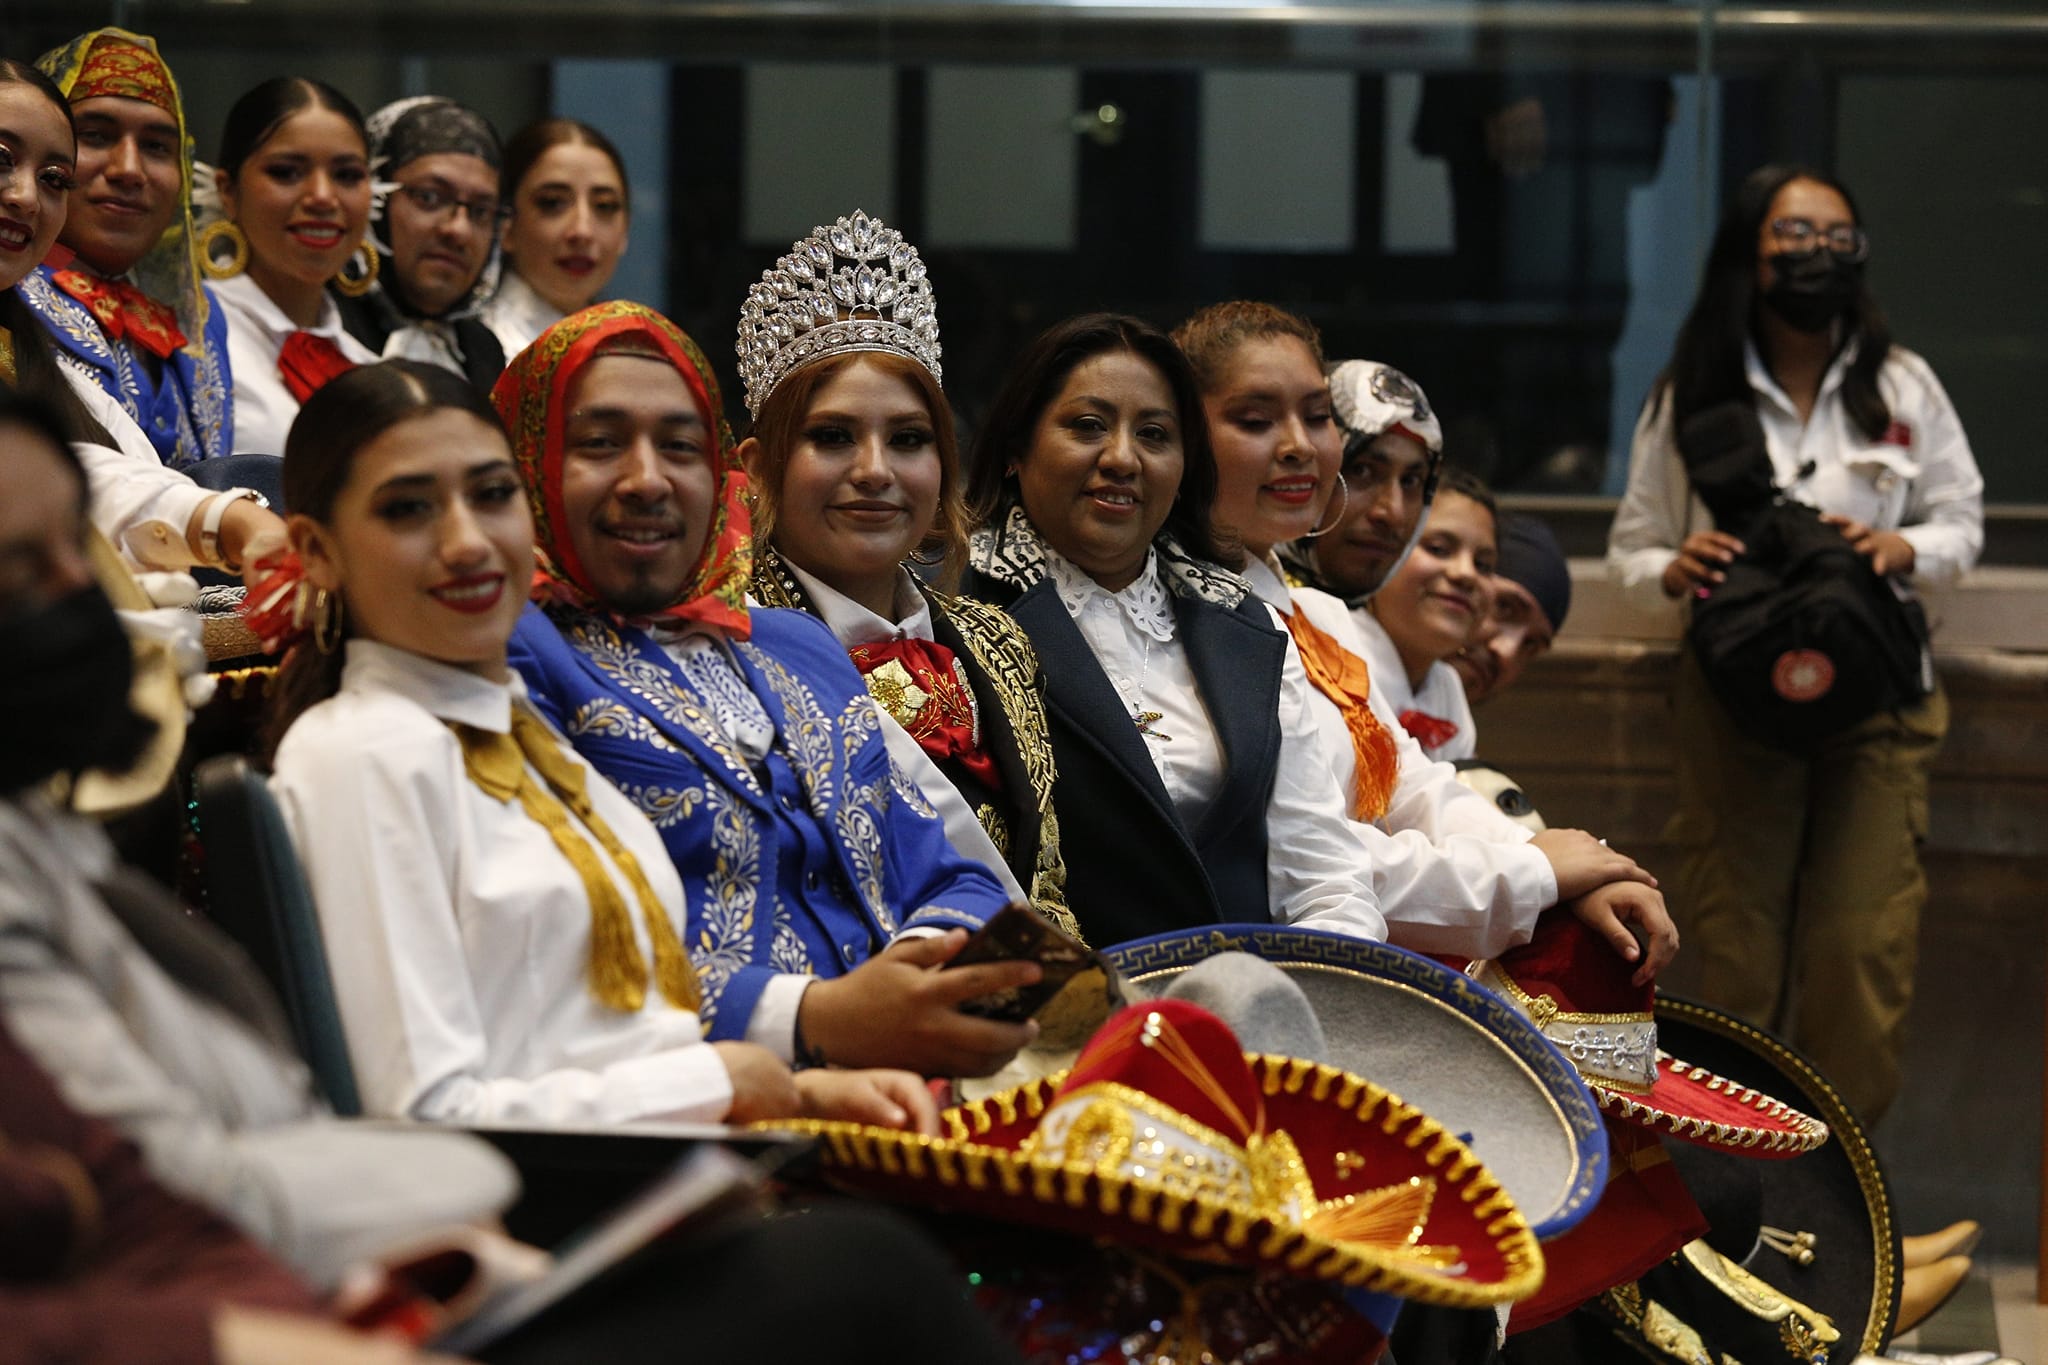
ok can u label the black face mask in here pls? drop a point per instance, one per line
(64, 693)
(1813, 290)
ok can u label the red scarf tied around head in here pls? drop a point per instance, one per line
(532, 397)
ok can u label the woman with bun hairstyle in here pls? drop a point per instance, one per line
(294, 181)
(565, 234)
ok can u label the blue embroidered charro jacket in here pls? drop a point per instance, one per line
(185, 407)
(809, 862)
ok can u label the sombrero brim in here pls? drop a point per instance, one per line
(1838, 1193)
(1439, 1040)
(976, 1167)
(1694, 1104)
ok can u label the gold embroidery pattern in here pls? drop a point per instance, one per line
(1005, 656)
(1806, 1332)
(1672, 1335)
(806, 728)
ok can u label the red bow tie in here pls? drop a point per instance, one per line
(1431, 732)
(124, 311)
(307, 362)
(924, 689)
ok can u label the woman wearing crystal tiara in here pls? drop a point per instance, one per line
(1178, 710)
(504, 925)
(566, 188)
(1455, 876)
(854, 466)
(294, 178)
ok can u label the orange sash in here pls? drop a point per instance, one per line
(1343, 677)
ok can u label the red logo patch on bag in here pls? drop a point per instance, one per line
(1802, 675)
(1897, 434)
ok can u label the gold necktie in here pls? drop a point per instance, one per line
(497, 763)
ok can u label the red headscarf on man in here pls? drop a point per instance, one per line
(532, 397)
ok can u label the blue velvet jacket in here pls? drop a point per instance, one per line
(185, 408)
(809, 862)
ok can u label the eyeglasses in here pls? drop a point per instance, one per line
(436, 203)
(1799, 237)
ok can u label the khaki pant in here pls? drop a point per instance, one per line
(1799, 885)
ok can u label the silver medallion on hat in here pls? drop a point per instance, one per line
(852, 285)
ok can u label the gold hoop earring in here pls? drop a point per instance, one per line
(1344, 487)
(357, 285)
(229, 231)
(326, 620)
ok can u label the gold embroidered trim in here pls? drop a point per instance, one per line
(956, 1160)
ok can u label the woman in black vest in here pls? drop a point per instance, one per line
(1177, 708)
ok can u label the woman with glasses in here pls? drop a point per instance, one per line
(294, 181)
(1802, 869)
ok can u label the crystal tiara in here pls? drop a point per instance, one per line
(855, 285)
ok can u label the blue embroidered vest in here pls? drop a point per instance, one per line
(809, 862)
(185, 408)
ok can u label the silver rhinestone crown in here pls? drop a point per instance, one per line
(853, 286)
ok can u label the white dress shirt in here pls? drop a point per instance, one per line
(1452, 874)
(137, 502)
(1442, 693)
(517, 315)
(257, 332)
(1919, 479)
(457, 933)
(854, 624)
(1318, 865)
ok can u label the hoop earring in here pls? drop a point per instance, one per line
(357, 285)
(229, 231)
(326, 620)
(1343, 503)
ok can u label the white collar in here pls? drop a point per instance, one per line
(1269, 583)
(443, 690)
(854, 624)
(523, 302)
(248, 297)
(1763, 381)
(1143, 601)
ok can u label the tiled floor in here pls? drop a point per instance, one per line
(1994, 1310)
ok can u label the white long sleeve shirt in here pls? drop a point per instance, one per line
(1442, 693)
(1918, 479)
(457, 933)
(257, 332)
(1452, 874)
(854, 625)
(1318, 864)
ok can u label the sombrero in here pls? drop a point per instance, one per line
(1578, 991)
(157, 694)
(1820, 1233)
(1166, 1135)
(1429, 1035)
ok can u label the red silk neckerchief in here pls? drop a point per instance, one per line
(1344, 678)
(123, 311)
(308, 362)
(928, 695)
(1431, 732)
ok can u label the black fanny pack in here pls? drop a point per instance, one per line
(1803, 640)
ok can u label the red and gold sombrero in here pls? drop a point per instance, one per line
(1166, 1134)
(1578, 991)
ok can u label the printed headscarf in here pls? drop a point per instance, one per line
(113, 61)
(532, 397)
(1369, 398)
(401, 133)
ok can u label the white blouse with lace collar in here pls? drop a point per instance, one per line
(1318, 865)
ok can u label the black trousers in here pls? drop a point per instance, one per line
(844, 1283)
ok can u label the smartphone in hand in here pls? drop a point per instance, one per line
(1017, 932)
